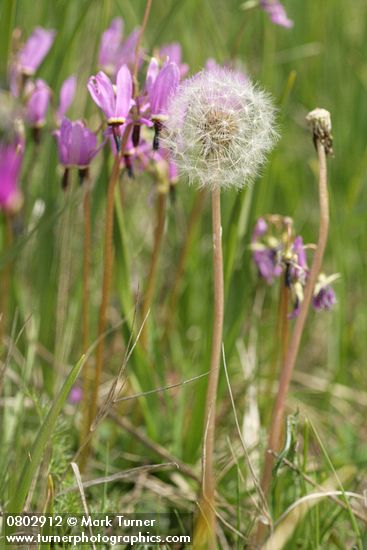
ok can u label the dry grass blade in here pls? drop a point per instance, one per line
(264, 509)
(82, 494)
(117, 476)
(155, 447)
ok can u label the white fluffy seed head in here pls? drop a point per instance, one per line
(220, 128)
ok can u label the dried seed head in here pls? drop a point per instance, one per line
(319, 121)
(219, 129)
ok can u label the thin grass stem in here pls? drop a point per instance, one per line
(153, 269)
(180, 269)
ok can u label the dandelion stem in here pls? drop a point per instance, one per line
(152, 274)
(274, 441)
(205, 528)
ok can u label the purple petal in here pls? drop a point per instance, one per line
(11, 156)
(38, 102)
(163, 88)
(260, 229)
(35, 50)
(325, 299)
(110, 44)
(152, 73)
(102, 92)
(276, 12)
(124, 91)
(126, 55)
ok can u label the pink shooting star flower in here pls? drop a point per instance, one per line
(266, 251)
(35, 50)
(29, 58)
(11, 156)
(160, 91)
(324, 296)
(114, 51)
(77, 146)
(115, 106)
(38, 94)
(173, 52)
(277, 13)
(110, 46)
(127, 51)
(67, 94)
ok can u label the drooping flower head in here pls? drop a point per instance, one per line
(114, 51)
(276, 252)
(324, 296)
(35, 50)
(11, 156)
(173, 52)
(38, 96)
(115, 105)
(277, 13)
(266, 251)
(110, 45)
(77, 145)
(161, 89)
(219, 129)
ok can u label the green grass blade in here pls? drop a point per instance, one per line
(34, 456)
(7, 14)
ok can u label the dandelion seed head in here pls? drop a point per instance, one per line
(220, 128)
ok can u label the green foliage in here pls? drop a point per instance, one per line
(320, 62)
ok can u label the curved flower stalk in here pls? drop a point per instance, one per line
(219, 129)
(320, 123)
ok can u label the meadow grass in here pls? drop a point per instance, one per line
(320, 62)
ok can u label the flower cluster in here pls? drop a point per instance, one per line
(112, 89)
(215, 127)
(277, 252)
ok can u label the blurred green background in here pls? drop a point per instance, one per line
(320, 62)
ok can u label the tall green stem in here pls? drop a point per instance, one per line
(205, 528)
